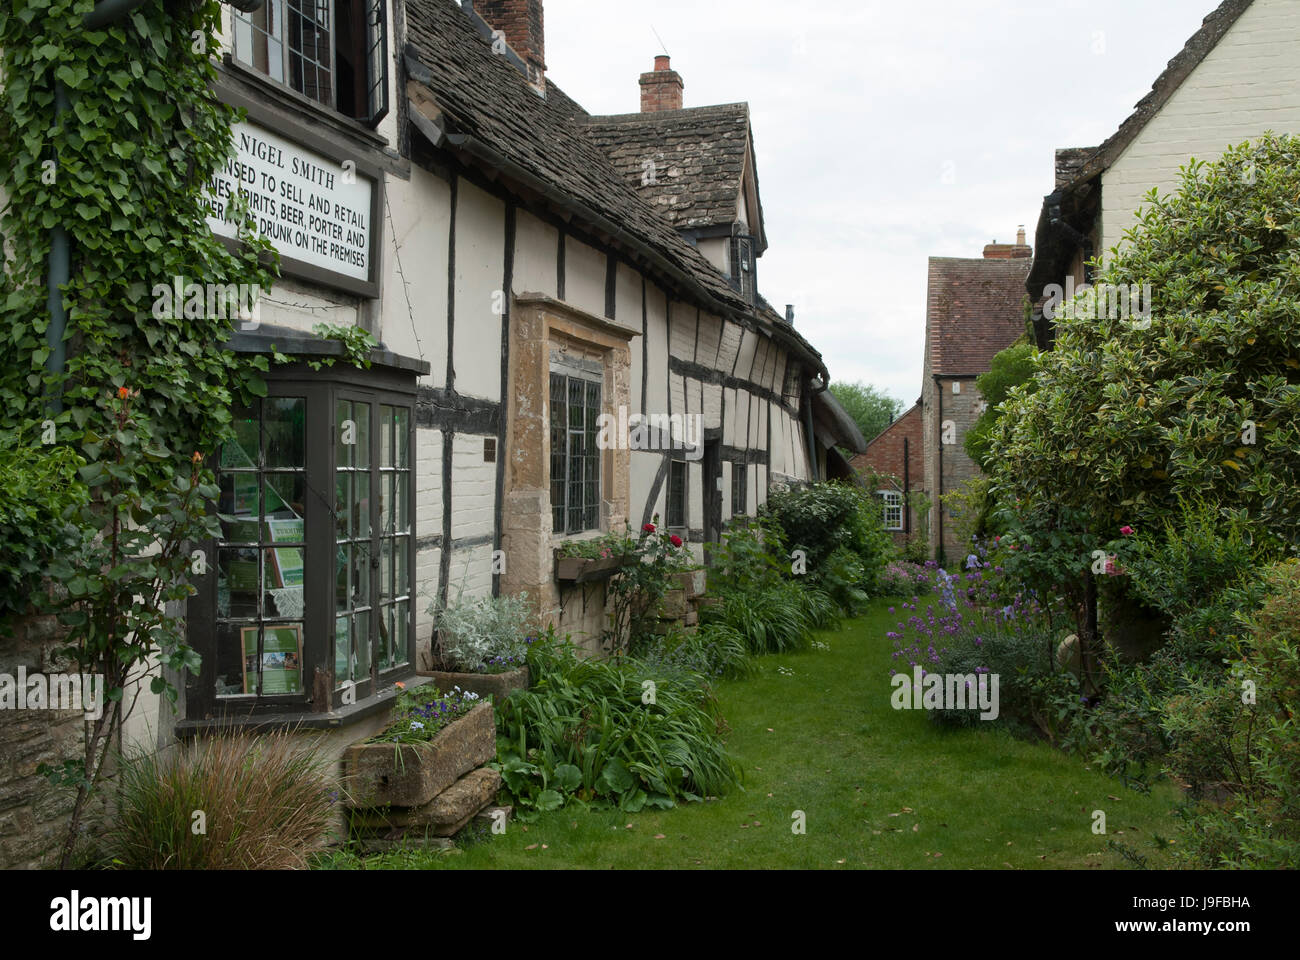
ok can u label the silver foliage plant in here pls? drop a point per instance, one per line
(479, 631)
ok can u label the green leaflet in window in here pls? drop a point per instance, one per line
(281, 658)
(288, 561)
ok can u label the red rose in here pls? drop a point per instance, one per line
(675, 540)
(123, 393)
(649, 528)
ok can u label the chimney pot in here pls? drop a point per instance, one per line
(789, 314)
(661, 88)
(1020, 236)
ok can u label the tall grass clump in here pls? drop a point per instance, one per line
(265, 803)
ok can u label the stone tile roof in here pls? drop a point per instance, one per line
(974, 309)
(482, 98)
(699, 159)
(1213, 27)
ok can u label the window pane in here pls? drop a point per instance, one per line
(345, 507)
(385, 435)
(402, 502)
(361, 414)
(238, 499)
(401, 431)
(286, 500)
(385, 503)
(360, 577)
(237, 583)
(345, 430)
(677, 494)
(342, 587)
(241, 450)
(284, 431)
(401, 567)
(361, 507)
(230, 661)
(401, 631)
(281, 662)
(385, 569)
(342, 649)
(386, 635)
(283, 578)
(361, 647)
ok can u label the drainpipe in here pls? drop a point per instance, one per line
(938, 496)
(59, 268)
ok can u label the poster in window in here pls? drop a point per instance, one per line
(281, 659)
(287, 561)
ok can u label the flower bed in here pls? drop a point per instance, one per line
(433, 741)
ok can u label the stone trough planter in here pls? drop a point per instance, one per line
(588, 569)
(411, 775)
(495, 685)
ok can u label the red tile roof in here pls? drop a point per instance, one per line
(974, 309)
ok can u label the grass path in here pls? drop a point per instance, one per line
(880, 788)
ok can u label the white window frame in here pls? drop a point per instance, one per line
(891, 504)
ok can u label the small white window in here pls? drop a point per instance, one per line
(956, 386)
(892, 503)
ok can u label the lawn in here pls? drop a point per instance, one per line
(878, 787)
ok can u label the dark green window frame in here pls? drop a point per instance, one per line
(389, 614)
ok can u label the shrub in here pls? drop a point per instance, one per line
(1254, 747)
(824, 518)
(36, 484)
(588, 732)
(713, 650)
(265, 798)
(903, 578)
(636, 594)
(485, 634)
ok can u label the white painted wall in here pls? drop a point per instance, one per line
(415, 267)
(536, 246)
(584, 277)
(480, 269)
(1248, 84)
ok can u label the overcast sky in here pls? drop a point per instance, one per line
(885, 132)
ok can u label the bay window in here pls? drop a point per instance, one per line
(307, 603)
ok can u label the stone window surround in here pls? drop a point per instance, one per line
(538, 324)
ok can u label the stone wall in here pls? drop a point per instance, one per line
(34, 813)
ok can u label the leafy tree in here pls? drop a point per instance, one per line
(1199, 401)
(871, 409)
(1123, 418)
(1009, 368)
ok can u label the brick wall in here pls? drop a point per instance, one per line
(885, 455)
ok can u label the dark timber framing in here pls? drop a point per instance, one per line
(507, 286)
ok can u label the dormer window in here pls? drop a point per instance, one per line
(743, 266)
(332, 51)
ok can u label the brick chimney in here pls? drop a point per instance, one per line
(661, 89)
(521, 22)
(1009, 251)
